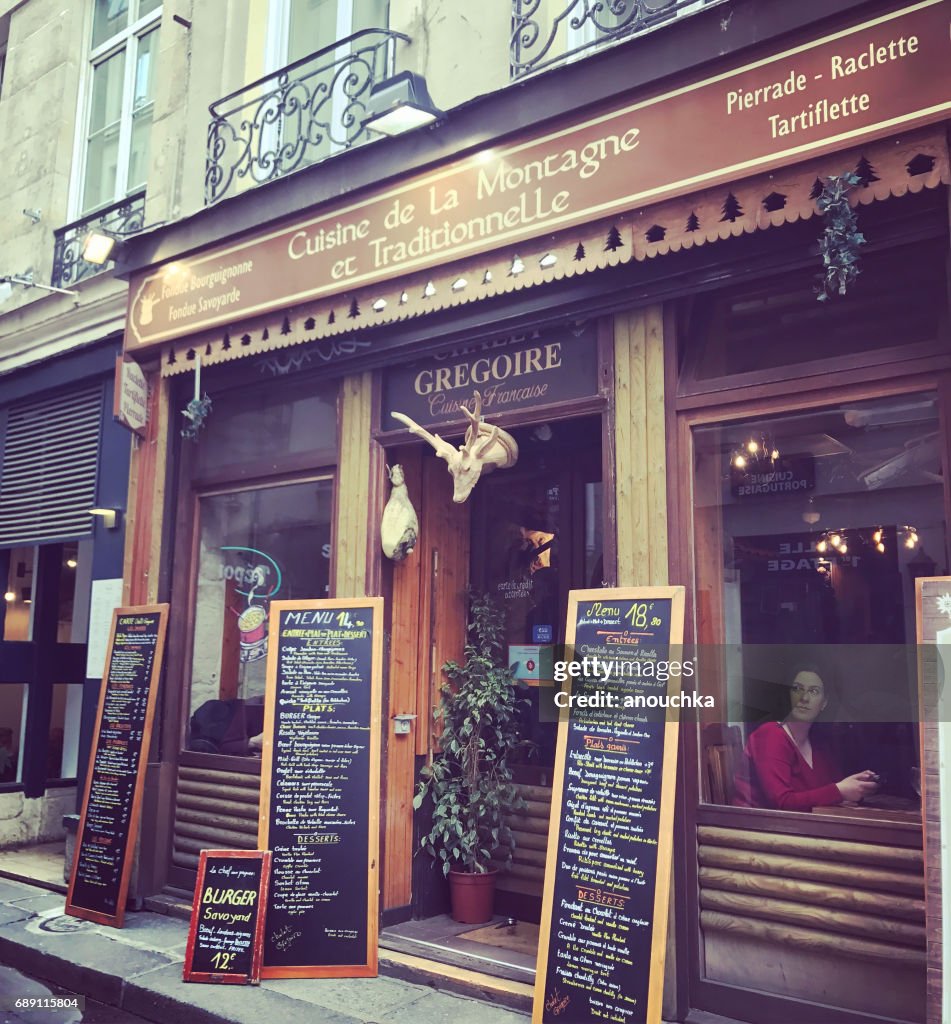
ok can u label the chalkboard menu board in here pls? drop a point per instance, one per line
(320, 780)
(604, 914)
(105, 842)
(227, 926)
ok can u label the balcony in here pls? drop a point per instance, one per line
(304, 113)
(550, 32)
(122, 218)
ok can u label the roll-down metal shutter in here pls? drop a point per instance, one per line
(48, 472)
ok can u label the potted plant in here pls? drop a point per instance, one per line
(470, 784)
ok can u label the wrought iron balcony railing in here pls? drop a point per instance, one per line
(547, 32)
(122, 218)
(299, 115)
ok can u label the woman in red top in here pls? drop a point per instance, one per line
(793, 770)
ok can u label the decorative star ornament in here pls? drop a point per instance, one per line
(944, 605)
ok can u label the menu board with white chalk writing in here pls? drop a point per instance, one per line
(227, 924)
(320, 787)
(105, 842)
(604, 915)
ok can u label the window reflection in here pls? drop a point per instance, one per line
(807, 548)
(269, 543)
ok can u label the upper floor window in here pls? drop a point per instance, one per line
(300, 27)
(121, 92)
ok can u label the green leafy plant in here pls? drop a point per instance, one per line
(470, 784)
(840, 241)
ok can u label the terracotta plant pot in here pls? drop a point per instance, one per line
(472, 896)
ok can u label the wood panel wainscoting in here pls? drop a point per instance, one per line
(812, 915)
(214, 810)
(526, 873)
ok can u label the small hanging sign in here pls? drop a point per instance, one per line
(131, 402)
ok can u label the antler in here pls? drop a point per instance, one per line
(444, 450)
(475, 418)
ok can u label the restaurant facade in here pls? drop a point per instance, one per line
(630, 281)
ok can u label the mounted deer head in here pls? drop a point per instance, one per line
(483, 446)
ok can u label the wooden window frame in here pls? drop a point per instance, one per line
(319, 464)
(788, 392)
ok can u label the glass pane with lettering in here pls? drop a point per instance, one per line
(810, 530)
(256, 546)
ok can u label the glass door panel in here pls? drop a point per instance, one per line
(256, 546)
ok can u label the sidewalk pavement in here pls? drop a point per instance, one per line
(139, 969)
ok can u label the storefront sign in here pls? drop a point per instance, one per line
(520, 372)
(793, 475)
(861, 83)
(105, 842)
(131, 403)
(604, 912)
(227, 926)
(320, 787)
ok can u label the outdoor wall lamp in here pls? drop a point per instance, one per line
(399, 104)
(98, 247)
(109, 517)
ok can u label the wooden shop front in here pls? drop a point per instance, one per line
(633, 343)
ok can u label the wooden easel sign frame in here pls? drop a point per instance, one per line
(227, 925)
(320, 787)
(112, 802)
(603, 933)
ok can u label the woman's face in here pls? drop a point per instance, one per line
(808, 697)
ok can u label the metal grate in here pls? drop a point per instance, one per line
(550, 32)
(48, 472)
(122, 218)
(299, 115)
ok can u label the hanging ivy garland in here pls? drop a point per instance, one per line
(195, 412)
(840, 241)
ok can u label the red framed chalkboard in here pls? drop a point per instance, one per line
(226, 934)
(112, 803)
(603, 933)
(320, 787)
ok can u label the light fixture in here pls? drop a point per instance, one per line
(822, 546)
(27, 280)
(98, 247)
(757, 454)
(109, 517)
(71, 563)
(9, 596)
(810, 514)
(399, 104)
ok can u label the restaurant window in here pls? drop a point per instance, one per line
(264, 505)
(54, 747)
(810, 530)
(757, 326)
(121, 100)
